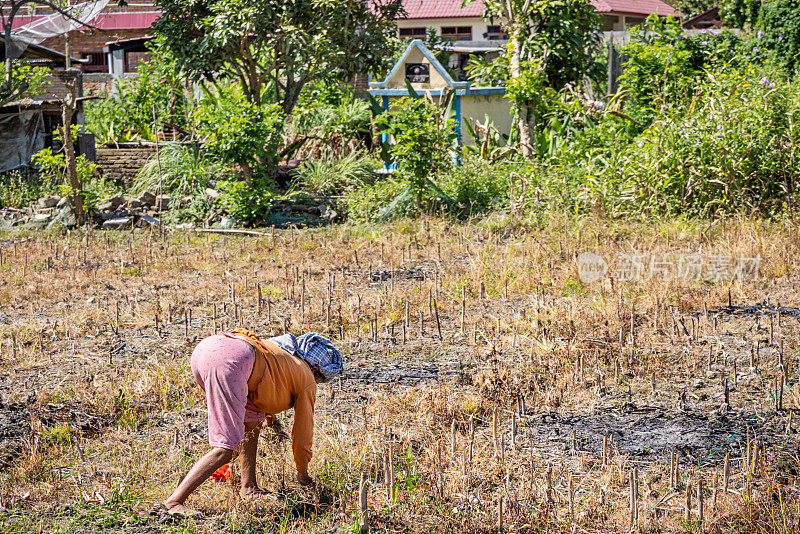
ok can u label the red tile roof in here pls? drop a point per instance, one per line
(635, 7)
(436, 9)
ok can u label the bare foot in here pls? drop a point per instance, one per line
(178, 509)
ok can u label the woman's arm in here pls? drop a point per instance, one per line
(303, 431)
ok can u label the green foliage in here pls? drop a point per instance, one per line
(141, 105)
(238, 131)
(690, 8)
(26, 80)
(477, 185)
(740, 13)
(17, 190)
(422, 140)
(331, 176)
(563, 35)
(53, 176)
(779, 30)
(368, 203)
(665, 65)
(273, 48)
(245, 201)
(179, 170)
(732, 146)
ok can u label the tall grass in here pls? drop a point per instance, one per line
(178, 169)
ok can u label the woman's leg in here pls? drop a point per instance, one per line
(199, 473)
(247, 459)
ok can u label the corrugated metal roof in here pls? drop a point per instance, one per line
(106, 21)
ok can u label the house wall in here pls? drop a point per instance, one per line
(478, 25)
(476, 107)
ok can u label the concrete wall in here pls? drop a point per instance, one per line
(478, 106)
(478, 25)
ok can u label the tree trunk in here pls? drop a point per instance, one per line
(522, 110)
(68, 106)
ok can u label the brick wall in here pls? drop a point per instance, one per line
(122, 164)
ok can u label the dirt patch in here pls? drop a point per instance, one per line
(648, 433)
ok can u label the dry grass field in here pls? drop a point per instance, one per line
(486, 387)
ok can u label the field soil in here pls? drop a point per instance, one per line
(486, 386)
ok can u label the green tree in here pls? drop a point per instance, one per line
(778, 28)
(551, 44)
(740, 13)
(274, 48)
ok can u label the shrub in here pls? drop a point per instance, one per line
(422, 140)
(477, 186)
(140, 106)
(733, 146)
(778, 27)
(369, 203)
(244, 200)
(52, 170)
(664, 65)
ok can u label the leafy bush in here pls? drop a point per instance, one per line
(422, 140)
(733, 146)
(331, 176)
(477, 185)
(369, 203)
(664, 65)
(52, 170)
(237, 131)
(18, 189)
(778, 27)
(141, 105)
(245, 201)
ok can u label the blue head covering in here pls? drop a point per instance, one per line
(315, 349)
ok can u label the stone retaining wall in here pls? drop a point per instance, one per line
(122, 164)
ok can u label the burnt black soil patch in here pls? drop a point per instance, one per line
(758, 309)
(15, 424)
(402, 375)
(14, 427)
(648, 433)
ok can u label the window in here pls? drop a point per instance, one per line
(413, 33)
(496, 33)
(98, 62)
(457, 33)
(633, 21)
(609, 22)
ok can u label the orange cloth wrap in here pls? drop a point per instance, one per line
(280, 381)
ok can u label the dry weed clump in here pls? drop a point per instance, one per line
(486, 386)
